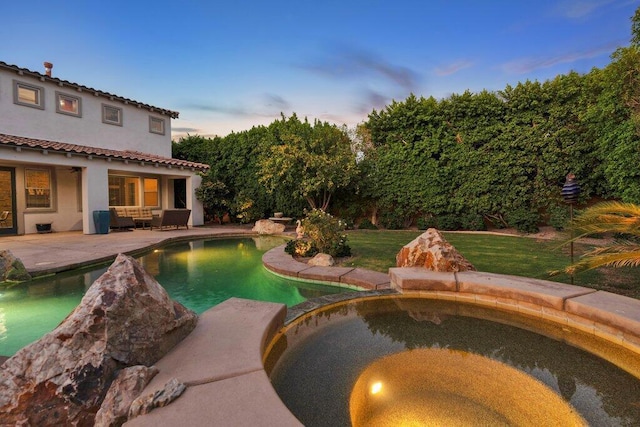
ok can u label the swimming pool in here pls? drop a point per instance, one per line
(199, 274)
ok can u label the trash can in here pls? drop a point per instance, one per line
(101, 221)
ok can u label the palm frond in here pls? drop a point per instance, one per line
(605, 259)
(613, 217)
(607, 217)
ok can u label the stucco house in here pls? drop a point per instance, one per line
(67, 150)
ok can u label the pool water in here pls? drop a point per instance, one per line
(199, 274)
(356, 363)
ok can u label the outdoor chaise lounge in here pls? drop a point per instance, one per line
(171, 217)
(118, 222)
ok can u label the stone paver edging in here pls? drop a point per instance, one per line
(278, 261)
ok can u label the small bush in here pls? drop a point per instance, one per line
(366, 224)
(390, 221)
(341, 249)
(472, 222)
(326, 233)
(300, 247)
(523, 220)
(245, 209)
(558, 217)
(214, 196)
(426, 222)
(449, 222)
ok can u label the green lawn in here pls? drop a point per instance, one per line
(519, 256)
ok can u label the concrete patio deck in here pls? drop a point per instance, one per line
(55, 252)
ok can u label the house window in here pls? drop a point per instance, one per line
(28, 95)
(156, 125)
(38, 188)
(111, 115)
(123, 190)
(151, 194)
(68, 104)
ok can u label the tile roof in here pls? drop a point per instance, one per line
(60, 147)
(110, 96)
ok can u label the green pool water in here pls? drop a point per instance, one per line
(199, 274)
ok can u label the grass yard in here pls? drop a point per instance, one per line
(519, 256)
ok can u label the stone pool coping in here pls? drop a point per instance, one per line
(221, 361)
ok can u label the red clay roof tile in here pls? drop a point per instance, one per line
(62, 83)
(41, 144)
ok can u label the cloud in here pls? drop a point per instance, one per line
(272, 105)
(343, 63)
(453, 68)
(372, 99)
(576, 9)
(527, 65)
(236, 111)
(185, 130)
(349, 62)
(277, 101)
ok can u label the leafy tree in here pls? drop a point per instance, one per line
(307, 162)
(614, 118)
(194, 148)
(213, 195)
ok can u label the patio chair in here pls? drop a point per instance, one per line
(171, 218)
(117, 222)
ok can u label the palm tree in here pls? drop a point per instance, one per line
(617, 218)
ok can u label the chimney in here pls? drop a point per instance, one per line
(47, 68)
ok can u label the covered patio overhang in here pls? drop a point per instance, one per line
(79, 181)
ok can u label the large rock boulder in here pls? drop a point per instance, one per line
(431, 251)
(126, 318)
(11, 268)
(322, 260)
(126, 387)
(266, 226)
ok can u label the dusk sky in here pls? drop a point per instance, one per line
(230, 65)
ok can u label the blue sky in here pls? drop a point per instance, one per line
(229, 65)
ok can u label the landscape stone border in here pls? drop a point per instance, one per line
(600, 314)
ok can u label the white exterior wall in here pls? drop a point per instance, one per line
(74, 211)
(80, 182)
(87, 130)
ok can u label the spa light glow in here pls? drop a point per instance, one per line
(376, 387)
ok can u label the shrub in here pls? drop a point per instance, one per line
(366, 224)
(523, 220)
(558, 217)
(449, 222)
(341, 248)
(245, 209)
(214, 196)
(300, 247)
(325, 233)
(426, 222)
(391, 221)
(472, 222)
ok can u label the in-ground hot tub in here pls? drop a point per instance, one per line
(414, 361)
